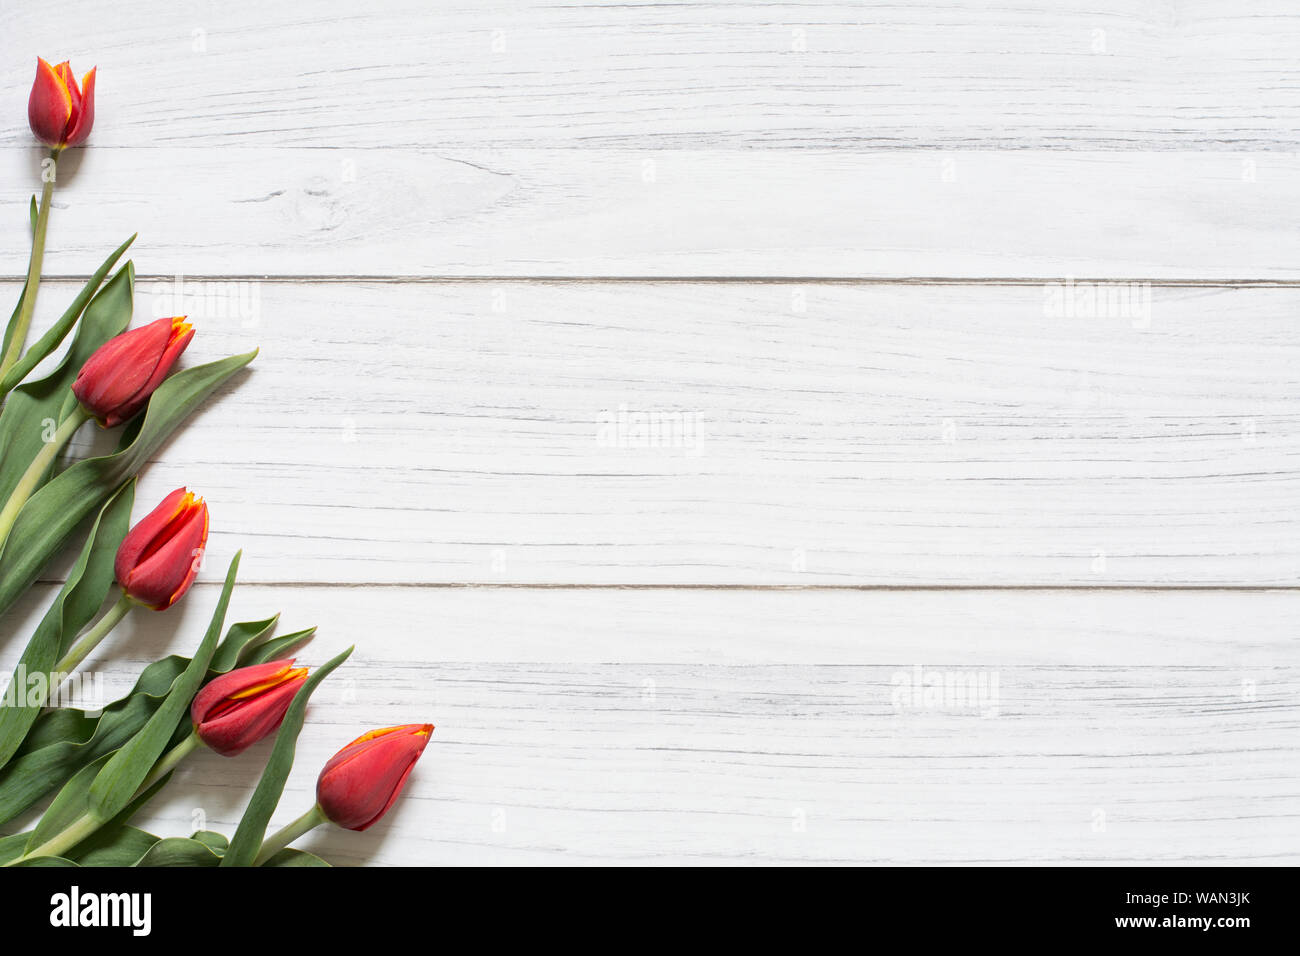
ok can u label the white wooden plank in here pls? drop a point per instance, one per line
(1111, 74)
(801, 434)
(653, 212)
(544, 764)
(1235, 632)
(396, 436)
(1113, 727)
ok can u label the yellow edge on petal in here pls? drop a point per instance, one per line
(276, 680)
(63, 88)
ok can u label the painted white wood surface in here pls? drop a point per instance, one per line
(618, 762)
(428, 217)
(723, 433)
(596, 212)
(960, 73)
(634, 725)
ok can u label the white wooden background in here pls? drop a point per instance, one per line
(824, 236)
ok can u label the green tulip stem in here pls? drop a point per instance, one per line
(167, 763)
(64, 840)
(86, 824)
(282, 838)
(31, 478)
(28, 306)
(90, 640)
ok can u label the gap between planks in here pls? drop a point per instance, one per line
(990, 281)
(900, 588)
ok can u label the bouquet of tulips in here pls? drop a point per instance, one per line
(95, 769)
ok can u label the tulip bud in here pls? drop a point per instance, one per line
(117, 380)
(61, 113)
(238, 709)
(159, 557)
(362, 780)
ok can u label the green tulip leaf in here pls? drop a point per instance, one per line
(53, 512)
(126, 845)
(64, 740)
(71, 804)
(240, 636)
(43, 861)
(48, 342)
(126, 771)
(252, 828)
(13, 320)
(12, 846)
(291, 857)
(180, 851)
(88, 583)
(116, 843)
(34, 408)
(130, 846)
(120, 846)
(213, 841)
(279, 647)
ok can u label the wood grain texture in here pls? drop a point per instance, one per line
(805, 764)
(578, 213)
(856, 435)
(966, 74)
(885, 442)
(1235, 632)
(700, 726)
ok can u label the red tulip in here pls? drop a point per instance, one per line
(60, 112)
(238, 709)
(116, 381)
(159, 557)
(362, 780)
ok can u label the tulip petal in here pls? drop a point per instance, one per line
(158, 560)
(140, 536)
(227, 685)
(85, 119)
(395, 791)
(64, 70)
(112, 380)
(363, 780)
(238, 729)
(170, 562)
(250, 833)
(180, 338)
(49, 108)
